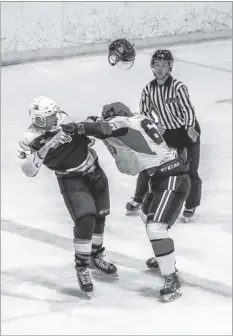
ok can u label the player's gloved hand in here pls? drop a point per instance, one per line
(115, 109)
(59, 138)
(105, 127)
(92, 119)
(192, 134)
(99, 129)
(68, 128)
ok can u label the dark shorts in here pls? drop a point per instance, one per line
(165, 203)
(178, 138)
(85, 195)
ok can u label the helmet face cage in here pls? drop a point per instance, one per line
(40, 109)
(162, 55)
(121, 51)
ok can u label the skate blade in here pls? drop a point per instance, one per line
(132, 213)
(170, 297)
(153, 269)
(100, 273)
(86, 295)
(185, 219)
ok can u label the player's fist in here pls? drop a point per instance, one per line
(115, 109)
(60, 138)
(105, 128)
(98, 129)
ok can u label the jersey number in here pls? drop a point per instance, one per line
(152, 131)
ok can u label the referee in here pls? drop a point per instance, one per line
(165, 100)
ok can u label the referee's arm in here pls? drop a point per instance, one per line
(145, 103)
(188, 108)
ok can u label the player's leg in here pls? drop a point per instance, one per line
(194, 196)
(141, 189)
(100, 192)
(164, 209)
(81, 206)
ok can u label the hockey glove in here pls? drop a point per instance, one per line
(115, 109)
(69, 128)
(99, 129)
(92, 119)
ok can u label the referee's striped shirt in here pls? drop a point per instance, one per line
(169, 104)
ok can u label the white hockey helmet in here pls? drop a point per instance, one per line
(40, 108)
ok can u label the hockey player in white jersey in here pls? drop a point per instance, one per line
(141, 147)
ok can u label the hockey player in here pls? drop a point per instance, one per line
(165, 101)
(142, 148)
(63, 147)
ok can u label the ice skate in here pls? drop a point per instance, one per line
(84, 280)
(132, 207)
(170, 290)
(187, 214)
(100, 266)
(153, 265)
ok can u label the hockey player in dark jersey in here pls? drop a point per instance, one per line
(141, 147)
(64, 147)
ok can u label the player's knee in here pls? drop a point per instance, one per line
(84, 227)
(156, 231)
(161, 243)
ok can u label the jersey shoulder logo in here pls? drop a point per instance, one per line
(171, 100)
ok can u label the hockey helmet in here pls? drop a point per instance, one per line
(40, 108)
(122, 53)
(162, 55)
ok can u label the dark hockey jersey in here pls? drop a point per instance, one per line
(74, 155)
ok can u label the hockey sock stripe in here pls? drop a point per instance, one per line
(162, 205)
(82, 260)
(165, 198)
(97, 238)
(82, 246)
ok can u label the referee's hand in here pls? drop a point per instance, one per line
(192, 134)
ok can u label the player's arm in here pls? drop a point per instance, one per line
(32, 154)
(97, 129)
(188, 108)
(173, 167)
(145, 102)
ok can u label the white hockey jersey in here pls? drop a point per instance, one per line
(143, 146)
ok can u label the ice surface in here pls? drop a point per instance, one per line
(39, 288)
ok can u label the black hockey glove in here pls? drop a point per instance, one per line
(115, 109)
(69, 128)
(92, 118)
(99, 129)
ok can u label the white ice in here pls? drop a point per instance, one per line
(40, 294)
